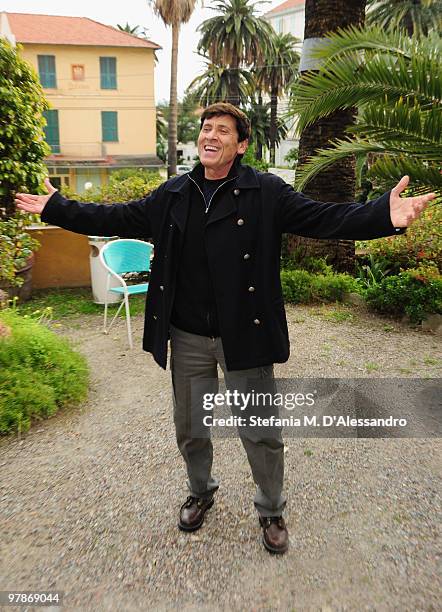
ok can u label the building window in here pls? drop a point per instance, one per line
(46, 70)
(109, 126)
(77, 72)
(52, 132)
(59, 177)
(108, 72)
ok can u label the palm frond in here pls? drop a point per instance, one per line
(378, 40)
(419, 170)
(339, 149)
(347, 82)
(392, 168)
(411, 127)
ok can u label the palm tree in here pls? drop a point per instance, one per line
(134, 30)
(396, 87)
(280, 67)
(234, 39)
(173, 13)
(416, 16)
(323, 17)
(259, 113)
(216, 84)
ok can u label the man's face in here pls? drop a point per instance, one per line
(218, 143)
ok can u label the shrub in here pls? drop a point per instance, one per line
(39, 373)
(296, 260)
(249, 159)
(301, 286)
(415, 292)
(420, 244)
(134, 186)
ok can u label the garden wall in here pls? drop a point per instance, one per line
(62, 260)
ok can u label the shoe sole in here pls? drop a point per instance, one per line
(198, 525)
(275, 551)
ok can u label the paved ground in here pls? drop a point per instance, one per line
(89, 499)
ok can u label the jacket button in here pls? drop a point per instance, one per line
(161, 288)
(257, 322)
(236, 192)
(246, 256)
(240, 222)
(251, 289)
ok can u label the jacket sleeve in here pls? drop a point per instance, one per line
(130, 220)
(351, 221)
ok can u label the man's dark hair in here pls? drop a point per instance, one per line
(224, 108)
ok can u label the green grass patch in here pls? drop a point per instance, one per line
(39, 373)
(372, 367)
(74, 302)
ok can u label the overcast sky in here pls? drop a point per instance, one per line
(136, 12)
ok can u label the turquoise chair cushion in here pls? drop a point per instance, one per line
(132, 289)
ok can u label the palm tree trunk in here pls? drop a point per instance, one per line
(259, 144)
(173, 104)
(234, 87)
(336, 184)
(273, 123)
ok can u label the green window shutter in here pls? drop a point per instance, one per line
(52, 131)
(108, 72)
(109, 126)
(46, 70)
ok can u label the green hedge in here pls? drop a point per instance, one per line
(415, 292)
(301, 286)
(39, 373)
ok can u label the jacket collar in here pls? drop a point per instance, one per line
(247, 177)
(244, 177)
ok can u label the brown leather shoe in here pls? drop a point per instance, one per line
(275, 536)
(192, 512)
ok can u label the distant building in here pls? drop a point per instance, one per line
(100, 84)
(287, 18)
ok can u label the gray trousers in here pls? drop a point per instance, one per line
(194, 357)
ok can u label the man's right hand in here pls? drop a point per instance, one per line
(34, 203)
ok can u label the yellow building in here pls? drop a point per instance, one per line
(100, 84)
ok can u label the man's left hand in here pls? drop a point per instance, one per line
(403, 211)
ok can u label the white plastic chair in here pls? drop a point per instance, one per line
(119, 257)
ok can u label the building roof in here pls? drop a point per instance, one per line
(285, 6)
(58, 30)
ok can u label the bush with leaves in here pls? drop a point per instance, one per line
(415, 292)
(16, 246)
(421, 243)
(135, 185)
(39, 372)
(301, 286)
(249, 159)
(23, 147)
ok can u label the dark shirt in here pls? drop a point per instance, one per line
(194, 308)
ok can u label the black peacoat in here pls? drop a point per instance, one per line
(243, 244)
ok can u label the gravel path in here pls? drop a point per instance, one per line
(89, 499)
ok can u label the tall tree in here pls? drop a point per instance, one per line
(235, 39)
(134, 30)
(416, 16)
(173, 13)
(338, 183)
(216, 83)
(275, 76)
(259, 113)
